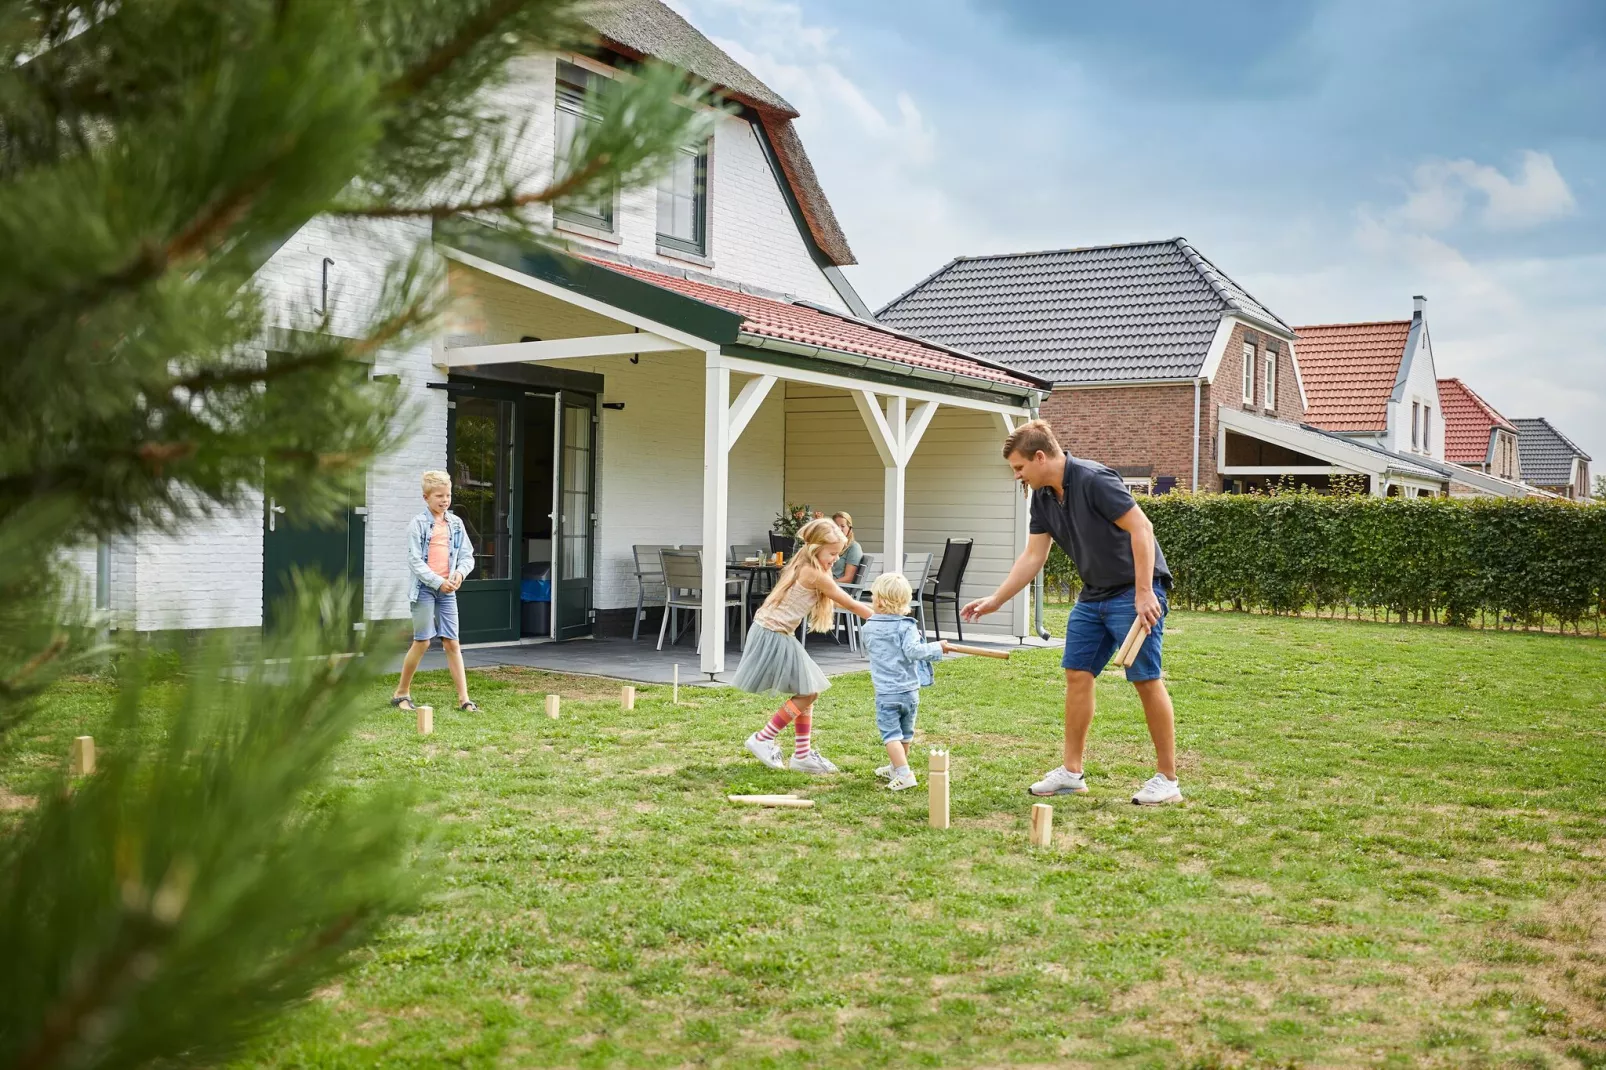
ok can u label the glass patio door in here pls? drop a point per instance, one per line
(574, 514)
(481, 460)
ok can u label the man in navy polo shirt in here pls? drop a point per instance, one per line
(1084, 506)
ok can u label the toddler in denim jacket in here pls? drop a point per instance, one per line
(900, 665)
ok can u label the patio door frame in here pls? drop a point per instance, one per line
(489, 610)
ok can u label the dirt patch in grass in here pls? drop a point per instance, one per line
(538, 682)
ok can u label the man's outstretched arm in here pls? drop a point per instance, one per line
(1026, 568)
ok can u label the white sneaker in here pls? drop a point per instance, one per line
(815, 763)
(1159, 790)
(765, 751)
(901, 781)
(1060, 781)
(883, 772)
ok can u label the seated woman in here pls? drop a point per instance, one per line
(846, 569)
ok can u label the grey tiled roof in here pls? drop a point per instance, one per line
(1111, 312)
(1546, 455)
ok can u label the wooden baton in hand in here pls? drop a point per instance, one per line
(1133, 643)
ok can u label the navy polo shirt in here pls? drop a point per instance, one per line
(1083, 523)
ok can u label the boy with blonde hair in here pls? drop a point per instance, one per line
(900, 665)
(439, 556)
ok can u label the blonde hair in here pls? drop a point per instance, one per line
(814, 536)
(891, 593)
(843, 515)
(435, 479)
(1030, 438)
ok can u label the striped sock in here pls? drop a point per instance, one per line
(801, 728)
(782, 718)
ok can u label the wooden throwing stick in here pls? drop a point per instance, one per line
(978, 651)
(780, 802)
(1135, 636)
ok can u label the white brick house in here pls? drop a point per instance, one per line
(692, 362)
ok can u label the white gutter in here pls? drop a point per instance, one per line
(1110, 384)
(838, 356)
(1196, 388)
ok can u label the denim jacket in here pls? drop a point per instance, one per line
(899, 661)
(460, 552)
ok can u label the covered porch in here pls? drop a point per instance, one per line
(714, 408)
(1256, 454)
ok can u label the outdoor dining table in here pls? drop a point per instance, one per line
(749, 572)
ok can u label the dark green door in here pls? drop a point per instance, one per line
(334, 552)
(482, 462)
(574, 525)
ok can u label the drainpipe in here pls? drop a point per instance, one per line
(1196, 385)
(1037, 590)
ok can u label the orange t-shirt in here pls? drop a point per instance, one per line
(440, 557)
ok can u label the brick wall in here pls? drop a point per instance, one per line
(1130, 425)
(1153, 425)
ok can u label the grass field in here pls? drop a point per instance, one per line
(1391, 855)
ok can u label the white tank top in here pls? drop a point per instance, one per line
(785, 613)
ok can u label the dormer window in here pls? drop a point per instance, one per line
(683, 203)
(578, 90)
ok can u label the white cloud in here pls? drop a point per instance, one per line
(1440, 189)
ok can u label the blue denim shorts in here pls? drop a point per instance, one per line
(895, 715)
(1096, 631)
(434, 614)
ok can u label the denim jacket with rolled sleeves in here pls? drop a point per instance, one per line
(899, 661)
(460, 552)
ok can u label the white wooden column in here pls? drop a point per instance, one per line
(1019, 608)
(895, 433)
(716, 501)
(724, 421)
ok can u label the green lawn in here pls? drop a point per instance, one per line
(1391, 855)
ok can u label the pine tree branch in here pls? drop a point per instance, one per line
(442, 59)
(507, 203)
(67, 1019)
(14, 685)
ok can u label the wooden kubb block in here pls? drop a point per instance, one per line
(627, 697)
(83, 755)
(1042, 824)
(937, 772)
(426, 720)
(552, 704)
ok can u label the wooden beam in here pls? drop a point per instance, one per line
(595, 345)
(916, 427)
(848, 384)
(875, 421)
(746, 406)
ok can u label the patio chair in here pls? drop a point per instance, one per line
(917, 570)
(944, 586)
(743, 551)
(683, 589)
(869, 569)
(782, 544)
(649, 570)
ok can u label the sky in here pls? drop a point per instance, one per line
(1335, 157)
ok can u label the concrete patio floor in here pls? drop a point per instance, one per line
(639, 662)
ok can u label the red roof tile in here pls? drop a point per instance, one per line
(1349, 371)
(799, 323)
(1468, 419)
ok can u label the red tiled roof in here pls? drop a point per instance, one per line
(799, 323)
(1349, 371)
(1468, 419)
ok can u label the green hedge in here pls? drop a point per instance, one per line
(1414, 558)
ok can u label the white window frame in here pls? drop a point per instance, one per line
(1249, 372)
(1139, 485)
(1427, 428)
(1271, 379)
(1416, 423)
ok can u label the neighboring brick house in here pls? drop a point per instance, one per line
(1376, 384)
(1552, 461)
(1163, 367)
(1475, 435)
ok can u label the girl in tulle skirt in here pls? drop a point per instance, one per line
(774, 659)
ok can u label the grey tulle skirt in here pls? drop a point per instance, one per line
(776, 661)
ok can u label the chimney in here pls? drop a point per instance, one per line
(1418, 304)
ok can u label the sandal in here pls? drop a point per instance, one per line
(404, 702)
(468, 707)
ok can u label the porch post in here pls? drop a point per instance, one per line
(716, 492)
(895, 483)
(1018, 610)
